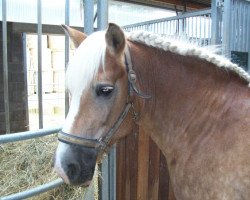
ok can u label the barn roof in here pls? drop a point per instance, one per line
(179, 5)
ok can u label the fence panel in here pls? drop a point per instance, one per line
(195, 26)
(25, 136)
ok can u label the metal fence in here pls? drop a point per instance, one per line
(15, 137)
(25, 136)
(227, 23)
(194, 26)
(29, 134)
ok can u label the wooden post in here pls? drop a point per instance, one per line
(154, 169)
(120, 164)
(143, 160)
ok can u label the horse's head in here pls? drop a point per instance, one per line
(97, 82)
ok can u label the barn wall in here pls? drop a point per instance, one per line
(17, 83)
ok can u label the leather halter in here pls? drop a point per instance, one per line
(102, 143)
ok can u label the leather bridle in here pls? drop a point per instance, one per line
(102, 143)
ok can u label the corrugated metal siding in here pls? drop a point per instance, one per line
(240, 26)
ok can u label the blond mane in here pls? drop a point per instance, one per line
(185, 48)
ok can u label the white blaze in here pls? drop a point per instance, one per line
(81, 70)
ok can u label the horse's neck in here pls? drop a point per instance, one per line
(190, 97)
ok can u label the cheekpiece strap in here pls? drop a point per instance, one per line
(132, 78)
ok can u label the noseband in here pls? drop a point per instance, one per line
(102, 143)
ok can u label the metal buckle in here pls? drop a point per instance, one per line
(132, 76)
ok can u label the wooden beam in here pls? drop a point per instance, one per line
(120, 171)
(190, 4)
(131, 165)
(32, 28)
(154, 168)
(143, 159)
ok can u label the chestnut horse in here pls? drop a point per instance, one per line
(194, 104)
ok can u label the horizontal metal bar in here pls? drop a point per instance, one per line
(34, 191)
(27, 135)
(190, 14)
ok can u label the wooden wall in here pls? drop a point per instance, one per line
(142, 172)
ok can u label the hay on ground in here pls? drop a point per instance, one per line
(27, 164)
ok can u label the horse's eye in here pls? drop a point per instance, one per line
(104, 90)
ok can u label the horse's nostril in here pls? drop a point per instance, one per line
(73, 171)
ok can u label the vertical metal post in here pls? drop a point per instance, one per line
(244, 44)
(108, 174)
(248, 34)
(192, 29)
(108, 166)
(216, 20)
(204, 18)
(112, 173)
(209, 30)
(67, 13)
(196, 29)
(24, 39)
(5, 68)
(102, 14)
(88, 16)
(226, 28)
(39, 61)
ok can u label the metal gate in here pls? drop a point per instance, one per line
(225, 24)
(15, 137)
(194, 26)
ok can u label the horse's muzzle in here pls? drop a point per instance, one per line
(75, 164)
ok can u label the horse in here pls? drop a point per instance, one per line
(194, 104)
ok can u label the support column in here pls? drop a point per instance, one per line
(5, 67)
(216, 22)
(88, 16)
(102, 14)
(67, 43)
(39, 62)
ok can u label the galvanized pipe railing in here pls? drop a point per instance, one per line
(183, 16)
(34, 191)
(196, 26)
(39, 62)
(5, 67)
(25, 136)
(66, 53)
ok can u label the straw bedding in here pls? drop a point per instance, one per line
(27, 164)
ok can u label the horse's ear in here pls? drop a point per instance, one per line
(115, 39)
(76, 36)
